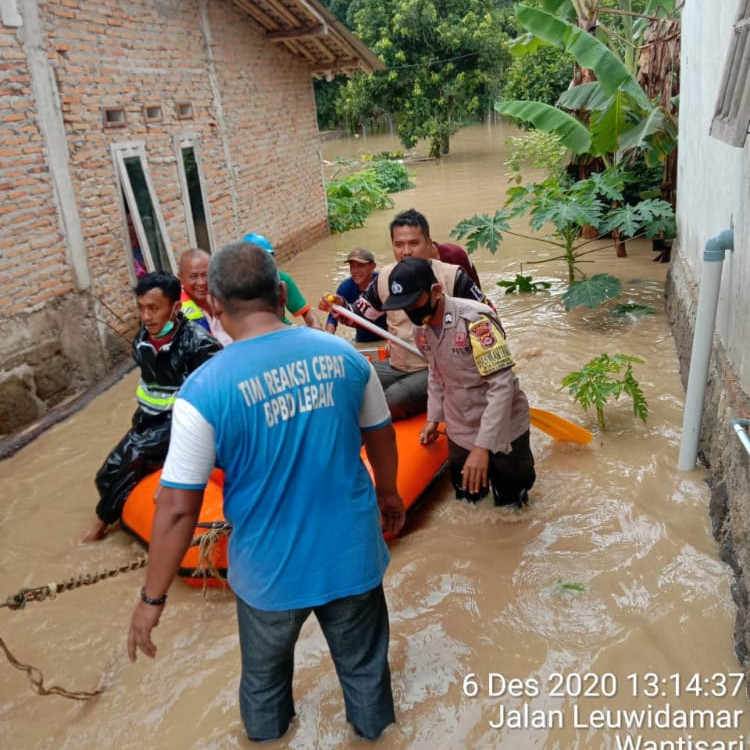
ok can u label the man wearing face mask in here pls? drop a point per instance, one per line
(167, 348)
(472, 387)
(404, 375)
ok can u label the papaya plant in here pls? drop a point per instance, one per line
(595, 384)
(353, 198)
(566, 207)
(523, 284)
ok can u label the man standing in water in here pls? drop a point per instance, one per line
(410, 236)
(167, 348)
(280, 407)
(472, 387)
(404, 375)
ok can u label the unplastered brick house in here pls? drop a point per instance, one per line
(132, 130)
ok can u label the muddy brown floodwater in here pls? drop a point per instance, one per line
(600, 608)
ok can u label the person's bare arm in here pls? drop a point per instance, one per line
(311, 319)
(380, 445)
(174, 523)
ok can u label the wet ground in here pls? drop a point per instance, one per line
(600, 605)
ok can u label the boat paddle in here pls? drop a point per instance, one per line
(554, 425)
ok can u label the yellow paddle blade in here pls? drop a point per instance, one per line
(559, 427)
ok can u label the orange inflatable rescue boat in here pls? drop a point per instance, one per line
(205, 563)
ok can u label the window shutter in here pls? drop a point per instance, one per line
(732, 116)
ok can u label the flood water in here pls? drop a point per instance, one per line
(605, 595)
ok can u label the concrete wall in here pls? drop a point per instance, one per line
(65, 280)
(712, 195)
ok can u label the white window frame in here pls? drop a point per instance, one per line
(189, 140)
(120, 152)
(732, 116)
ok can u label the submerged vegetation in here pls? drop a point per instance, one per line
(596, 383)
(351, 199)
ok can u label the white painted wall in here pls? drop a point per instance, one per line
(713, 181)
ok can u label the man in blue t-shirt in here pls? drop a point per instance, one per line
(361, 273)
(283, 408)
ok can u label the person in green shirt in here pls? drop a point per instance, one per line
(296, 303)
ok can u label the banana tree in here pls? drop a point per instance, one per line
(620, 117)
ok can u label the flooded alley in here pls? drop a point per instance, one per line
(600, 617)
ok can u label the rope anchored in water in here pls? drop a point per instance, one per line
(50, 591)
(37, 680)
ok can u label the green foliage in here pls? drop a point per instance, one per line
(540, 76)
(483, 230)
(590, 292)
(523, 284)
(392, 175)
(595, 384)
(611, 116)
(444, 57)
(536, 150)
(570, 586)
(567, 207)
(326, 97)
(384, 156)
(353, 198)
(632, 308)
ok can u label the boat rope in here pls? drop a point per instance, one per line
(206, 543)
(50, 591)
(37, 680)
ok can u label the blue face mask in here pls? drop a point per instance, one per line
(168, 326)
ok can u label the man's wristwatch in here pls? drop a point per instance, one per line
(153, 602)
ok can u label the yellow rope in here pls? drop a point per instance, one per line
(206, 553)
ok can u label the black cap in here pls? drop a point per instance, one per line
(406, 282)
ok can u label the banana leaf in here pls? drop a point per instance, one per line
(573, 134)
(587, 95)
(610, 71)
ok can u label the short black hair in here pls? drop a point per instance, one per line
(411, 218)
(167, 282)
(243, 272)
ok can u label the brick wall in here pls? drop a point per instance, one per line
(255, 125)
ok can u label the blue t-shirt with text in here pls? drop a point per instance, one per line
(285, 408)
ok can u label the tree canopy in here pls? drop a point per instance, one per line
(445, 60)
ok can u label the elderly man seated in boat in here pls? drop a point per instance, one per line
(404, 374)
(167, 348)
(195, 300)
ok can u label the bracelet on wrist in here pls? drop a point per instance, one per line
(153, 602)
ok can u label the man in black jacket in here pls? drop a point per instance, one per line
(167, 348)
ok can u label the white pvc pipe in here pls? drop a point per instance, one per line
(705, 319)
(740, 427)
(376, 329)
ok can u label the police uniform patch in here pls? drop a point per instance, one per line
(488, 346)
